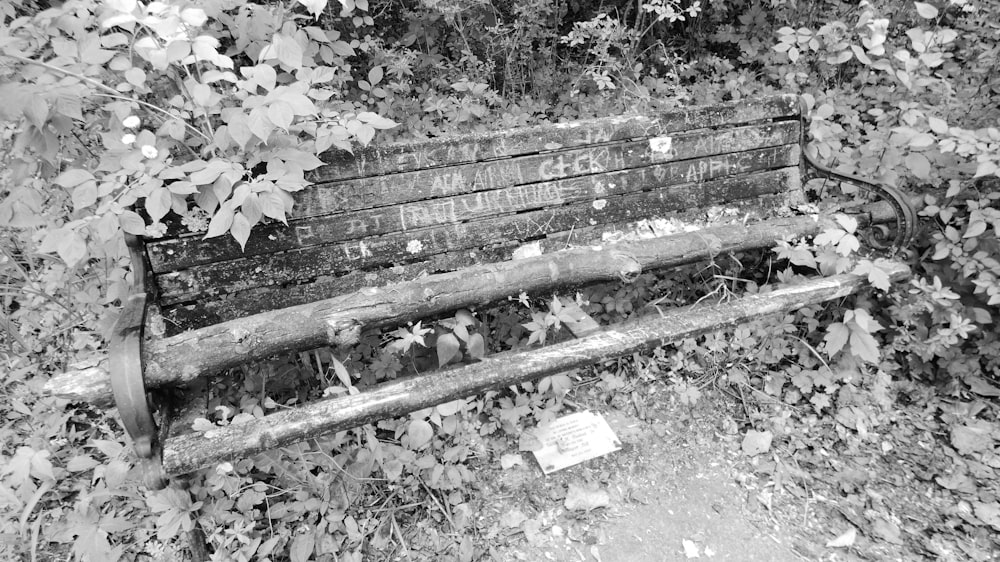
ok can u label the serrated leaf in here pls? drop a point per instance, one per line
(875, 274)
(836, 337)
(829, 237)
(447, 348)
(864, 346)
(849, 223)
(848, 245)
(926, 10)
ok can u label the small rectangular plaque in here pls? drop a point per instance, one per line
(573, 439)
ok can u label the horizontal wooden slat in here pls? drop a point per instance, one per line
(419, 199)
(316, 261)
(185, 453)
(261, 299)
(381, 191)
(175, 362)
(398, 157)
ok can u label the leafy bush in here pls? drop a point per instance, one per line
(132, 118)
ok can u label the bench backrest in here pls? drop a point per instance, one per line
(393, 211)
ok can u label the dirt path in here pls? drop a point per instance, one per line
(673, 492)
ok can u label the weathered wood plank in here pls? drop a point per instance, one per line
(596, 207)
(419, 199)
(404, 156)
(381, 191)
(186, 356)
(192, 451)
(245, 303)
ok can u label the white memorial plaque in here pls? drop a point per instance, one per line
(573, 439)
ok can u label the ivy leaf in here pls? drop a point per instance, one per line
(240, 229)
(829, 237)
(836, 337)
(447, 348)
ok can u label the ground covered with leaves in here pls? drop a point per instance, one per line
(864, 429)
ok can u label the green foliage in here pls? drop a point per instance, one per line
(134, 118)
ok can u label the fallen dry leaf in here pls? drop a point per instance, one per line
(845, 540)
(585, 498)
(756, 442)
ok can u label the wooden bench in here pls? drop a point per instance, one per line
(405, 231)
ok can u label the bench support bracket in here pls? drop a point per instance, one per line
(906, 216)
(127, 381)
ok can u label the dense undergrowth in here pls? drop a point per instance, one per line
(172, 106)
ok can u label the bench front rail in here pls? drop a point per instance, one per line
(404, 231)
